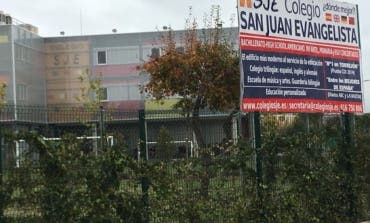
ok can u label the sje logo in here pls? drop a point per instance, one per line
(265, 4)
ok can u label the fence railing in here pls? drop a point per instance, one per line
(77, 114)
(84, 166)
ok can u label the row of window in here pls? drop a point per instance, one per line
(21, 35)
(27, 38)
(117, 55)
(109, 56)
(126, 55)
(128, 92)
(121, 93)
(27, 55)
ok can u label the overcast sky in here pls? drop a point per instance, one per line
(100, 17)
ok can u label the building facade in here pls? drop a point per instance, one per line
(55, 71)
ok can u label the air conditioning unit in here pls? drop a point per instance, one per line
(30, 28)
(2, 18)
(8, 19)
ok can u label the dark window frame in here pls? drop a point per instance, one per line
(101, 57)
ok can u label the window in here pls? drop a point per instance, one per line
(23, 53)
(118, 93)
(134, 92)
(149, 52)
(123, 92)
(17, 35)
(155, 53)
(19, 52)
(123, 55)
(102, 57)
(180, 49)
(24, 36)
(22, 92)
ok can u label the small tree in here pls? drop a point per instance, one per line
(205, 74)
(92, 91)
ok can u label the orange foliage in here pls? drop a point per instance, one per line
(205, 74)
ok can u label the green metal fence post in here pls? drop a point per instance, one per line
(347, 128)
(347, 162)
(257, 137)
(244, 128)
(101, 125)
(259, 157)
(144, 157)
(1, 181)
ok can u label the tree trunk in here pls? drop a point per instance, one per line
(205, 157)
